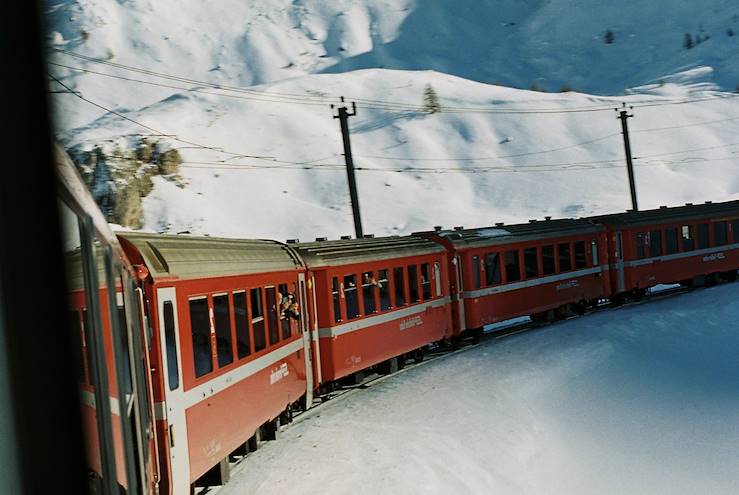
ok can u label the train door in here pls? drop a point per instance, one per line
(619, 255)
(306, 335)
(179, 475)
(457, 296)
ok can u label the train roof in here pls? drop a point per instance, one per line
(507, 234)
(187, 256)
(665, 214)
(349, 251)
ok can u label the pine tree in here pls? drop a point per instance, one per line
(430, 100)
(608, 37)
(688, 43)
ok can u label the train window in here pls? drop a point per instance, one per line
(565, 263)
(719, 234)
(413, 283)
(369, 287)
(655, 243)
(76, 327)
(272, 319)
(641, 244)
(475, 272)
(173, 374)
(257, 319)
(285, 299)
(200, 330)
(336, 296)
(437, 278)
(580, 258)
(425, 281)
(351, 297)
(687, 235)
(594, 252)
(241, 318)
(531, 262)
(671, 241)
(87, 344)
(735, 229)
(512, 266)
(547, 259)
(702, 235)
(492, 268)
(384, 287)
(399, 281)
(222, 321)
(123, 334)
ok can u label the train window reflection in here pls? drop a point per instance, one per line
(222, 320)
(200, 328)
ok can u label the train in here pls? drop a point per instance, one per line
(197, 348)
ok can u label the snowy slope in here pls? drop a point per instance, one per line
(285, 46)
(633, 400)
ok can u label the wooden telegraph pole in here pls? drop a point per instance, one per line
(343, 117)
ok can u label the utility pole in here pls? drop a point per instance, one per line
(343, 117)
(622, 116)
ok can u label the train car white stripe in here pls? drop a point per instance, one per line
(684, 254)
(88, 398)
(381, 318)
(221, 383)
(531, 283)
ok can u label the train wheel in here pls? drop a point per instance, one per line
(418, 355)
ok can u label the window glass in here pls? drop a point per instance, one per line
(76, 328)
(687, 236)
(285, 301)
(200, 330)
(425, 281)
(272, 326)
(257, 319)
(702, 235)
(413, 283)
(735, 229)
(351, 297)
(475, 272)
(594, 252)
(531, 262)
(399, 281)
(384, 287)
(581, 260)
(719, 234)
(173, 374)
(671, 240)
(437, 278)
(655, 243)
(336, 297)
(641, 244)
(512, 267)
(492, 268)
(547, 259)
(222, 320)
(241, 318)
(565, 264)
(369, 287)
(87, 345)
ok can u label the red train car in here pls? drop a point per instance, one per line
(669, 245)
(503, 272)
(106, 321)
(376, 299)
(228, 358)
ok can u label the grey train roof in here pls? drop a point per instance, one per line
(186, 256)
(506, 234)
(673, 214)
(349, 251)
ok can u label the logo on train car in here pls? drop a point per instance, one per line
(714, 257)
(212, 448)
(411, 322)
(353, 360)
(568, 285)
(278, 374)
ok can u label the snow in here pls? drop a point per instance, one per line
(555, 164)
(640, 399)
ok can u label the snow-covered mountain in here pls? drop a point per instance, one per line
(470, 164)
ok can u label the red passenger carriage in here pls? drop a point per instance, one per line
(669, 245)
(376, 299)
(508, 271)
(227, 360)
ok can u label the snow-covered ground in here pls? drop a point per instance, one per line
(642, 399)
